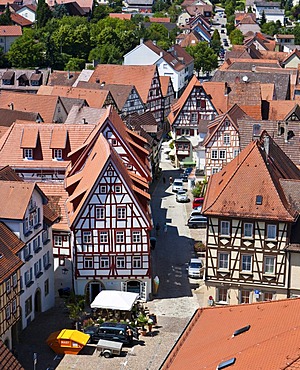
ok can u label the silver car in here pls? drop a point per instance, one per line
(177, 185)
(182, 196)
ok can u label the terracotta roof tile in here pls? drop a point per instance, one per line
(120, 16)
(260, 176)
(84, 115)
(10, 31)
(160, 20)
(44, 105)
(62, 78)
(57, 197)
(19, 20)
(77, 134)
(278, 109)
(139, 76)
(8, 360)
(29, 137)
(94, 98)
(58, 138)
(270, 343)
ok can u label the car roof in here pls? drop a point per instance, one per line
(196, 260)
(113, 325)
(178, 180)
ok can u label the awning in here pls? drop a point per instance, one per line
(115, 300)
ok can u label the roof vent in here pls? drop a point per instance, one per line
(240, 331)
(227, 363)
(1, 255)
(245, 79)
(259, 200)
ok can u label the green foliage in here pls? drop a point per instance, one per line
(5, 17)
(236, 37)
(43, 14)
(157, 32)
(270, 28)
(159, 6)
(75, 64)
(199, 189)
(263, 19)
(205, 59)
(215, 42)
(250, 10)
(106, 54)
(100, 12)
(59, 11)
(26, 51)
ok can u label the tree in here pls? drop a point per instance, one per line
(215, 42)
(26, 51)
(269, 28)
(263, 19)
(236, 37)
(5, 18)
(75, 64)
(59, 11)
(43, 14)
(205, 60)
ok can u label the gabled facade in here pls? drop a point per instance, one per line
(28, 12)
(222, 143)
(144, 77)
(252, 209)
(108, 215)
(192, 107)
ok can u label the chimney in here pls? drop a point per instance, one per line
(237, 79)
(69, 75)
(226, 89)
(97, 81)
(267, 146)
(161, 54)
(286, 131)
(11, 106)
(253, 68)
(154, 42)
(141, 41)
(84, 121)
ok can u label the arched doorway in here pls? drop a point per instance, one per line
(93, 288)
(37, 301)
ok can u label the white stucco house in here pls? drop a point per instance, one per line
(176, 62)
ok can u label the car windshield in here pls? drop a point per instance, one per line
(179, 183)
(181, 192)
(195, 265)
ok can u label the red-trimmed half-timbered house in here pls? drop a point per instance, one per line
(222, 143)
(109, 216)
(252, 206)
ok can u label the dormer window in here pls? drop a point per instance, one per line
(28, 154)
(57, 154)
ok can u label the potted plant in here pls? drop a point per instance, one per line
(142, 321)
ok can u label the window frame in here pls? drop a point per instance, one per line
(244, 230)
(222, 292)
(136, 262)
(246, 263)
(222, 228)
(244, 298)
(28, 153)
(88, 262)
(103, 237)
(226, 139)
(121, 213)
(223, 261)
(58, 154)
(267, 265)
(214, 154)
(120, 233)
(104, 262)
(86, 237)
(268, 227)
(120, 262)
(222, 154)
(136, 236)
(57, 240)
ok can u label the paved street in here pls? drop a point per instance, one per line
(176, 301)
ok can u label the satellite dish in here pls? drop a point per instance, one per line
(245, 78)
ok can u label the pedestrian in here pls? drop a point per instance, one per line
(165, 228)
(129, 333)
(157, 228)
(171, 180)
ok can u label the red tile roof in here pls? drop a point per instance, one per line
(77, 134)
(120, 16)
(160, 20)
(139, 76)
(260, 174)
(10, 31)
(44, 105)
(21, 21)
(8, 360)
(272, 342)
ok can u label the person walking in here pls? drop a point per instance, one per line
(165, 228)
(157, 228)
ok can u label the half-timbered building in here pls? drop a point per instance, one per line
(109, 217)
(222, 142)
(10, 285)
(252, 207)
(144, 77)
(193, 106)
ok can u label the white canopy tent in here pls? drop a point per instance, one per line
(115, 300)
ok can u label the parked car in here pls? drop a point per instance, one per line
(177, 185)
(116, 332)
(198, 202)
(196, 212)
(195, 269)
(188, 170)
(182, 196)
(184, 177)
(195, 222)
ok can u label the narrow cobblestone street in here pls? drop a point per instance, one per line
(176, 301)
